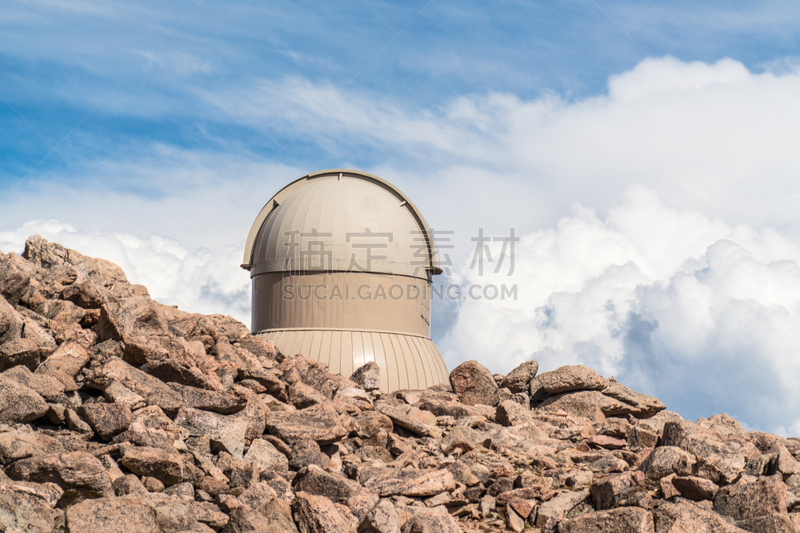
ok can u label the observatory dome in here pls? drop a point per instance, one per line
(341, 264)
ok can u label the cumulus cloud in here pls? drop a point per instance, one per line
(704, 318)
(200, 280)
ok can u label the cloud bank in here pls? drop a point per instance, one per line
(200, 281)
(705, 317)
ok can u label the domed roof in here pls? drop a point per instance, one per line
(341, 220)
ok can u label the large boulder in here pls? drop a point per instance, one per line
(462, 437)
(152, 389)
(695, 488)
(655, 424)
(265, 455)
(136, 514)
(553, 511)
(720, 460)
(119, 515)
(622, 520)
(142, 326)
(666, 460)
(749, 500)
(518, 379)
(244, 519)
(368, 376)
(163, 465)
(15, 347)
(410, 482)
(319, 423)
(19, 352)
(11, 322)
(208, 400)
(408, 421)
(685, 517)
(80, 474)
(106, 419)
(383, 518)
(47, 387)
(314, 374)
(18, 403)
(105, 275)
(336, 487)
(722, 424)
(571, 378)
(474, 384)
(152, 417)
(23, 443)
(373, 428)
(607, 490)
(226, 432)
(640, 405)
(42, 337)
(65, 363)
(510, 413)
(587, 404)
(433, 520)
(318, 514)
(21, 509)
(18, 279)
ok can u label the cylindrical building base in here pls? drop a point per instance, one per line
(406, 361)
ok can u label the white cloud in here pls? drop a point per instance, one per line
(706, 321)
(715, 136)
(199, 281)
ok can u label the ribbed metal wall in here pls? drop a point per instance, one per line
(410, 361)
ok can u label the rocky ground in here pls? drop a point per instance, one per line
(119, 414)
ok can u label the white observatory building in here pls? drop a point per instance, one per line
(341, 263)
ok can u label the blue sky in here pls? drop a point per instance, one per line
(645, 151)
(132, 72)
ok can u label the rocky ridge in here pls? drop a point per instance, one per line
(119, 414)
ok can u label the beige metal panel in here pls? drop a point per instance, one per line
(339, 365)
(392, 352)
(334, 217)
(403, 363)
(428, 369)
(297, 339)
(371, 353)
(435, 362)
(414, 361)
(338, 202)
(325, 355)
(306, 343)
(341, 300)
(383, 360)
(400, 362)
(287, 339)
(315, 350)
(358, 350)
